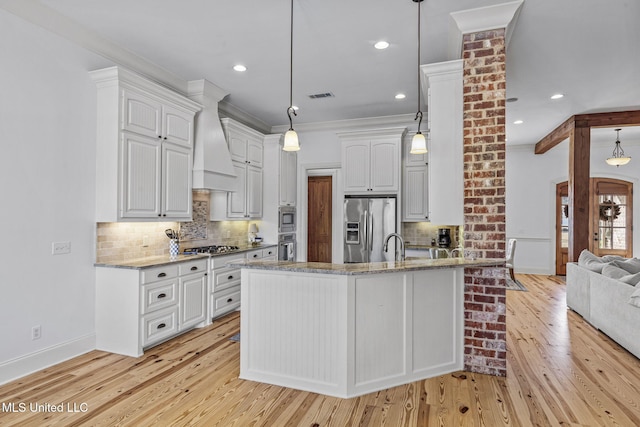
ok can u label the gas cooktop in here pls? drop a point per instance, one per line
(213, 249)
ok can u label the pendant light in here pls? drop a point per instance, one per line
(618, 158)
(291, 137)
(419, 142)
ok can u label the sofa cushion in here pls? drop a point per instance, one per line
(631, 265)
(617, 273)
(635, 297)
(590, 261)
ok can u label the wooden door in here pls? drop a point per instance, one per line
(319, 219)
(611, 225)
(562, 228)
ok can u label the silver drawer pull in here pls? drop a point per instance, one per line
(161, 325)
(162, 274)
(162, 295)
(194, 268)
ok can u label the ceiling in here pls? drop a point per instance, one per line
(585, 49)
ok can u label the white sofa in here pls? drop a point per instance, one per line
(606, 293)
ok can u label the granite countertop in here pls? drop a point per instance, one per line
(157, 261)
(369, 268)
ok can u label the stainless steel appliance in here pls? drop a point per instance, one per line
(444, 237)
(368, 220)
(286, 219)
(287, 247)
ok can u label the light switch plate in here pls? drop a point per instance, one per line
(59, 248)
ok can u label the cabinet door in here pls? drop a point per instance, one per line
(141, 171)
(141, 114)
(176, 185)
(288, 177)
(177, 126)
(237, 146)
(355, 164)
(193, 301)
(254, 152)
(237, 199)
(415, 193)
(384, 166)
(254, 192)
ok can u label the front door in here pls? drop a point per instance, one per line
(611, 220)
(319, 224)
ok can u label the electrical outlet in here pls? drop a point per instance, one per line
(228, 234)
(145, 241)
(36, 332)
(59, 248)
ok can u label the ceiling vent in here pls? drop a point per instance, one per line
(321, 95)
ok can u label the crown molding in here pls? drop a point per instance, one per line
(486, 18)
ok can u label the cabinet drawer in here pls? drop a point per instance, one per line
(221, 261)
(191, 267)
(159, 295)
(225, 279)
(254, 254)
(270, 252)
(159, 325)
(155, 274)
(226, 302)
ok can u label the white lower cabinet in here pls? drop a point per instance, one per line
(137, 308)
(225, 281)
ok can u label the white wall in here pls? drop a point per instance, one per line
(47, 127)
(530, 198)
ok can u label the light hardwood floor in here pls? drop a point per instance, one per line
(561, 371)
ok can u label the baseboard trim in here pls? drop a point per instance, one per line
(33, 362)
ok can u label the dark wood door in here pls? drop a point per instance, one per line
(562, 228)
(319, 219)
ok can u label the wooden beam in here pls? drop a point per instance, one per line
(556, 136)
(579, 206)
(610, 119)
(620, 118)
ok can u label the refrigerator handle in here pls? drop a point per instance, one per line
(370, 232)
(365, 230)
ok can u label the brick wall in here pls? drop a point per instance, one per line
(484, 89)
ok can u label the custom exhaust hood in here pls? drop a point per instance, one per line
(212, 167)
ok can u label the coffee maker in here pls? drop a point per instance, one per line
(444, 237)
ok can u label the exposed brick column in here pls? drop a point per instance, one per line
(484, 89)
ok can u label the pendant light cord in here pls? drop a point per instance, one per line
(419, 113)
(290, 109)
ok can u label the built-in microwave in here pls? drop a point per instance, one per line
(286, 219)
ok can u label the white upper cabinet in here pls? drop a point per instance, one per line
(371, 161)
(246, 149)
(415, 185)
(445, 114)
(288, 178)
(144, 149)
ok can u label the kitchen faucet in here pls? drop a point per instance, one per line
(386, 245)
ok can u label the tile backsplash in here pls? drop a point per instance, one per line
(122, 241)
(422, 233)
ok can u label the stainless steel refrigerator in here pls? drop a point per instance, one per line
(367, 221)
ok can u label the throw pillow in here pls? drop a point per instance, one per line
(620, 274)
(635, 297)
(631, 265)
(590, 261)
(609, 258)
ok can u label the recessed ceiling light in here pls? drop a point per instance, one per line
(401, 96)
(381, 45)
(557, 96)
(240, 67)
(518, 122)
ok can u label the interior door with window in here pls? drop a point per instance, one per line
(611, 220)
(612, 217)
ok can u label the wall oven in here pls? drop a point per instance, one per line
(287, 247)
(286, 219)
